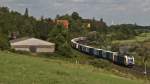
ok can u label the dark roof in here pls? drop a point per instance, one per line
(87, 20)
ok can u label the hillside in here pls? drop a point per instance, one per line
(139, 47)
(22, 69)
(141, 38)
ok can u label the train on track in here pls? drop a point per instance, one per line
(114, 57)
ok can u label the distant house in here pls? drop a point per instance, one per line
(86, 23)
(65, 23)
(32, 45)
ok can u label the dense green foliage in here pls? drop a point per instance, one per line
(3, 42)
(99, 34)
(22, 25)
(61, 38)
(13, 23)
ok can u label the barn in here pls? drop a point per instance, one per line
(32, 45)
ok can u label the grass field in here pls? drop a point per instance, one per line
(22, 69)
(141, 38)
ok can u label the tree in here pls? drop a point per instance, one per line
(4, 9)
(93, 26)
(26, 14)
(101, 20)
(57, 16)
(42, 29)
(4, 44)
(75, 16)
(59, 36)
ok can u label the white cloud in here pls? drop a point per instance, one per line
(78, 0)
(118, 10)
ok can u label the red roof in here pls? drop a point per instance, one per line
(65, 23)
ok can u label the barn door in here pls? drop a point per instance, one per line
(33, 49)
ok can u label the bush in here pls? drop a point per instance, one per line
(20, 52)
(4, 43)
(100, 63)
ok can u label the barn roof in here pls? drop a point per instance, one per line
(19, 39)
(30, 41)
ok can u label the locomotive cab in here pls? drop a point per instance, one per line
(129, 61)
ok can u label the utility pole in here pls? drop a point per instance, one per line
(145, 71)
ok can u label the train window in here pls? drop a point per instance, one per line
(130, 60)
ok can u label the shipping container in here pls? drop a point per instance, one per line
(109, 55)
(100, 53)
(104, 54)
(121, 60)
(91, 50)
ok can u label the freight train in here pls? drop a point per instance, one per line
(114, 57)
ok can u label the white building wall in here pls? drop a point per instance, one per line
(38, 49)
(22, 49)
(45, 50)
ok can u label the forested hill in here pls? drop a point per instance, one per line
(22, 25)
(12, 22)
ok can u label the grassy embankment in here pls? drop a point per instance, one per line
(141, 38)
(23, 69)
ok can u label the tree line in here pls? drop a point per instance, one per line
(25, 25)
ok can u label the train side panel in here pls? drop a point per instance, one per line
(91, 51)
(109, 55)
(97, 52)
(80, 47)
(104, 54)
(100, 53)
(121, 60)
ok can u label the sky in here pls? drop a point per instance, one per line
(112, 11)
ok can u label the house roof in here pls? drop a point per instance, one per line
(30, 42)
(86, 20)
(19, 39)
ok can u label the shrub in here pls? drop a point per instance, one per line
(4, 43)
(100, 63)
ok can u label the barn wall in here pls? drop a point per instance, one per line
(45, 49)
(22, 49)
(39, 49)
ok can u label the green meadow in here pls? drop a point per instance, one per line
(23, 69)
(141, 38)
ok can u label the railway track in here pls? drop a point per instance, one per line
(141, 69)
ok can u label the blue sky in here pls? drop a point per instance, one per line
(118, 11)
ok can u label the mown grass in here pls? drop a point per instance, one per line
(22, 69)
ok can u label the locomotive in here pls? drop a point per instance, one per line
(101, 53)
